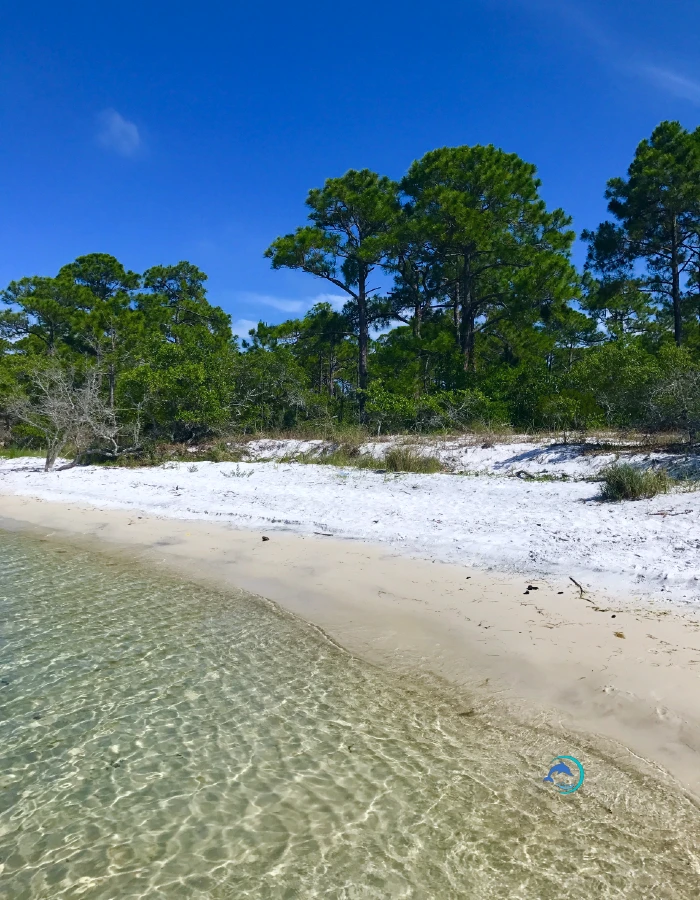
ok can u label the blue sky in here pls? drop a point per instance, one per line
(159, 132)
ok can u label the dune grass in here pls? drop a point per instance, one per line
(405, 459)
(343, 457)
(397, 459)
(19, 452)
(622, 481)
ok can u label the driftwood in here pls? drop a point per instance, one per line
(577, 585)
(106, 454)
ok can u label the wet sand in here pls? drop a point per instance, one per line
(623, 670)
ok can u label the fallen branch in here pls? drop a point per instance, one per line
(105, 454)
(577, 585)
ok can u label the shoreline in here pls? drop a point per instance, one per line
(548, 655)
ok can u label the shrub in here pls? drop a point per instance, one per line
(622, 481)
(618, 378)
(674, 402)
(442, 411)
(405, 459)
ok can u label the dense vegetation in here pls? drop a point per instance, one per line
(462, 307)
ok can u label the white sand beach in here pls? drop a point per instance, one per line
(435, 578)
(492, 520)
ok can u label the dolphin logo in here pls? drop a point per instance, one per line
(560, 767)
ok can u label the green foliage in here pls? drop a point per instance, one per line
(622, 481)
(567, 410)
(270, 392)
(618, 377)
(161, 354)
(481, 320)
(674, 400)
(19, 452)
(658, 210)
(352, 218)
(496, 250)
(443, 411)
(101, 275)
(176, 305)
(182, 391)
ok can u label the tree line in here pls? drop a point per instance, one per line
(461, 305)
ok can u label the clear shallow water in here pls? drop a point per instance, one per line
(159, 740)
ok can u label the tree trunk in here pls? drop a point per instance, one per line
(417, 318)
(332, 364)
(469, 339)
(363, 344)
(676, 287)
(51, 454)
(467, 321)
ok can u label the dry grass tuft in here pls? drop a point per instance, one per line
(405, 459)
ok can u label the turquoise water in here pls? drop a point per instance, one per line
(160, 740)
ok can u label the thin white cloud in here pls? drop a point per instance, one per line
(581, 20)
(615, 48)
(337, 301)
(285, 305)
(118, 134)
(574, 14)
(675, 84)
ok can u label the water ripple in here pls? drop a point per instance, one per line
(158, 740)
